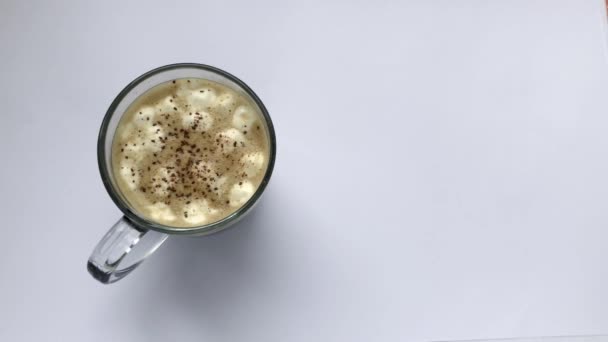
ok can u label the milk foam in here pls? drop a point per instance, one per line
(190, 152)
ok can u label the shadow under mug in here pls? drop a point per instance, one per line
(133, 237)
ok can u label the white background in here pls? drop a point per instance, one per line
(441, 171)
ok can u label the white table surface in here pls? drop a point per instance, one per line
(442, 171)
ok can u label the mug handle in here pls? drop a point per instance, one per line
(121, 250)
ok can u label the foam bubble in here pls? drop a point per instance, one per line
(241, 193)
(243, 117)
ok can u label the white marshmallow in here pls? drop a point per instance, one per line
(229, 137)
(151, 136)
(207, 170)
(161, 212)
(127, 131)
(202, 99)
(225, 102)
(243, 117)
(143, 117)
(162, 181)
(253, 163)
(131, 178)
(219, 183)
(166, 106)
(203, 168)
(143, 134)
(185, 88)
(240, 194)
(201, 120)
(134, 148)
(198, 212)
(140, 126)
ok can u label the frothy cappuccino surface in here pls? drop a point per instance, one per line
(190, 152)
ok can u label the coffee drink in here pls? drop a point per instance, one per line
(190, 152)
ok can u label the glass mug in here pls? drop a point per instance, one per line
(134, 237)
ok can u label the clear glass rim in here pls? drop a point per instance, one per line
(148, 224)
